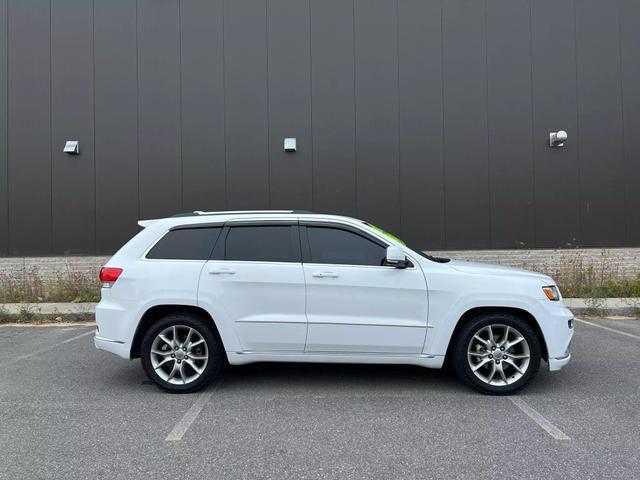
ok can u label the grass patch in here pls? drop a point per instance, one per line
(611, 288)
(30, 287)
(41, 318)
(596, 280)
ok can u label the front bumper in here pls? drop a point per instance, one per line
(557, 324)
(560, 354)
(556, 364)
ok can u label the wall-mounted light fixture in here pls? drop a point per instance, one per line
(72, 147)
(290, 145)
(557, 139)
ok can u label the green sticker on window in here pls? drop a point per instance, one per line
(387, 234)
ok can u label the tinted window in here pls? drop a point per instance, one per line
(186, 244)
(333, 245)
(262, 244)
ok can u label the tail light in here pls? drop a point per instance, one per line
(108, 276)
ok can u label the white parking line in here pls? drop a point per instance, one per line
(545, 424)
(185, 422)
(609, 329)
(42, 350)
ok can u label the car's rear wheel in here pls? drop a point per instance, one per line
(181, 353)
(497, 353)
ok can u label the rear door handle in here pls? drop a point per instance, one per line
(221, 271)
(325, 275)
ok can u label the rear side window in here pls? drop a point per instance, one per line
(186, 244)
(272, 243)
(337, 246)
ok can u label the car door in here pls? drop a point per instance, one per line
(255, 276)
(355, 303)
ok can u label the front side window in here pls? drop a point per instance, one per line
(268, 243)
(337, 246)
(185, 244)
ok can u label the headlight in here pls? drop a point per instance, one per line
(552, 293)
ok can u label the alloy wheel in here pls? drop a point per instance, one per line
(498, 355)
(179, 354)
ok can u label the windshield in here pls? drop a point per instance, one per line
(417, 250)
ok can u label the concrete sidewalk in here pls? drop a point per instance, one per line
(579, 306)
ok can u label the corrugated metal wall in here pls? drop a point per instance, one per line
(428, 118)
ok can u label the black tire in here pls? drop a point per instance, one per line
(216, 357)
(462, 344)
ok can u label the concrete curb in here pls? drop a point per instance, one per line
(624, 307)
(579, 306)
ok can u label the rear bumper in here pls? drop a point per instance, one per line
(116, 320)
(116, 347)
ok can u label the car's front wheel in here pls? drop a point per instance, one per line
(181, 353)
(497, 353)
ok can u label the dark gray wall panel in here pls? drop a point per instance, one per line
(600, 123)
(4, 198)
(30, 129)
(73, 187)
(245, 40)
(116, 123)
(289, 86)
(376, 78)
(333, 110)
(510, 123)
(630, 42)
(465, 125)
(430, 118)
(554, 108)
(203, 161)
(159, 108)
(420, 86)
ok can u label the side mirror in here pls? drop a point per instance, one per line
(396, 257)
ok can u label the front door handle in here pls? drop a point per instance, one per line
(221, 271)
(325, 275)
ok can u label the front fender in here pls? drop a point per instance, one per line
(444, 319)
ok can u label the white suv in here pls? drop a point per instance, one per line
(192, 293)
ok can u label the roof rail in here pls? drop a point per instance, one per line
(239, 212)
(242, 212)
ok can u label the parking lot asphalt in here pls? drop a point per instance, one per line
(70, 411)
